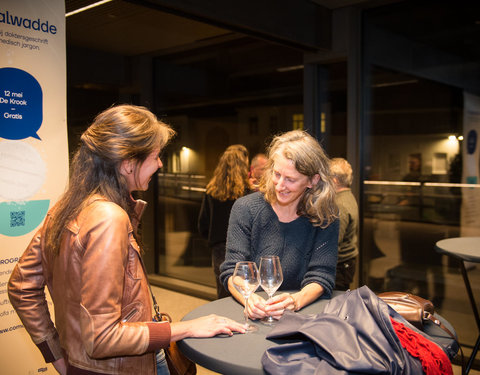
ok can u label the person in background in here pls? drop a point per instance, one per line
(294, 216)
(414, 168)
(229, 182)
(88, 255)
(348, 211)
(411, 195)
(257, 168)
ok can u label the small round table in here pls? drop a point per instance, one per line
(466, 249)
(242, 353)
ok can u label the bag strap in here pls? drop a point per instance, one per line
(158, 315)
(428, 316)
(438, 323)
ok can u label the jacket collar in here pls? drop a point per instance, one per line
(138, 206)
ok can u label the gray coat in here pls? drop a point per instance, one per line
(354, 335)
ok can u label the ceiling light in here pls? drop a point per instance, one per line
(87, 7)
(289, 68)
(397, 83)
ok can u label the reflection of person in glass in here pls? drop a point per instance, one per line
(294, 216)
(414, 175)
(420, 264)
(348, 211)
(229, 182)
(88, 255)
(414, 168)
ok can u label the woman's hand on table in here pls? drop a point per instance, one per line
(205, 326)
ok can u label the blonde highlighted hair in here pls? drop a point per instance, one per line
(230, 178)
(309, 159)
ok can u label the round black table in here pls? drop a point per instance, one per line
(241, 354)
(466, 249)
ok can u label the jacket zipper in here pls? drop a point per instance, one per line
(129, 315)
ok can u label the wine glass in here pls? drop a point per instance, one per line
(245, 279)
(271, 277)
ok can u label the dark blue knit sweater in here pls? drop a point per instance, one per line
(307, 253)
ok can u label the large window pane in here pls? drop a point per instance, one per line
(421, 95)
(241, 91)
(413, 194)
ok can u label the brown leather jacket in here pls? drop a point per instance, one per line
(101, 298)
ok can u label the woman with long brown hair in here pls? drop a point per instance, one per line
(88, 256)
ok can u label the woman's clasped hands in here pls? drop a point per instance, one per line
(259, 308)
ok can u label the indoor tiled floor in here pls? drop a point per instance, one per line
(178, 305)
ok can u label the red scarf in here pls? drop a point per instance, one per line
(433, 358)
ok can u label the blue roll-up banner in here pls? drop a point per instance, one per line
(33, 150)
(470, 214)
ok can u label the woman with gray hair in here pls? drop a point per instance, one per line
(293, 216)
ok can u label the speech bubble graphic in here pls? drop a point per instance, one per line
(471, 141)
(21, 103)
(22, 170)
(19, 218)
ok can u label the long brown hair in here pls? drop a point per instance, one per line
(230, 178)
(123, 132)
(317, 203)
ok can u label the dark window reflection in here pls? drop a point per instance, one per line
(412, 192)
(243, 91)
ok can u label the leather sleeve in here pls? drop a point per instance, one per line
(107, 260)
(26, 290)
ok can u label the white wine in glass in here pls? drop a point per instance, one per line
(245, 279)
(271, 277)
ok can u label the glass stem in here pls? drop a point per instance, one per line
(245, 311)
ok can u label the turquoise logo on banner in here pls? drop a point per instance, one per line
(19, 218)
(473, 180)
(21, 101)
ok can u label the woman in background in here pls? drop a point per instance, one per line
(87, 253)
(229, 182)
(294, 216)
